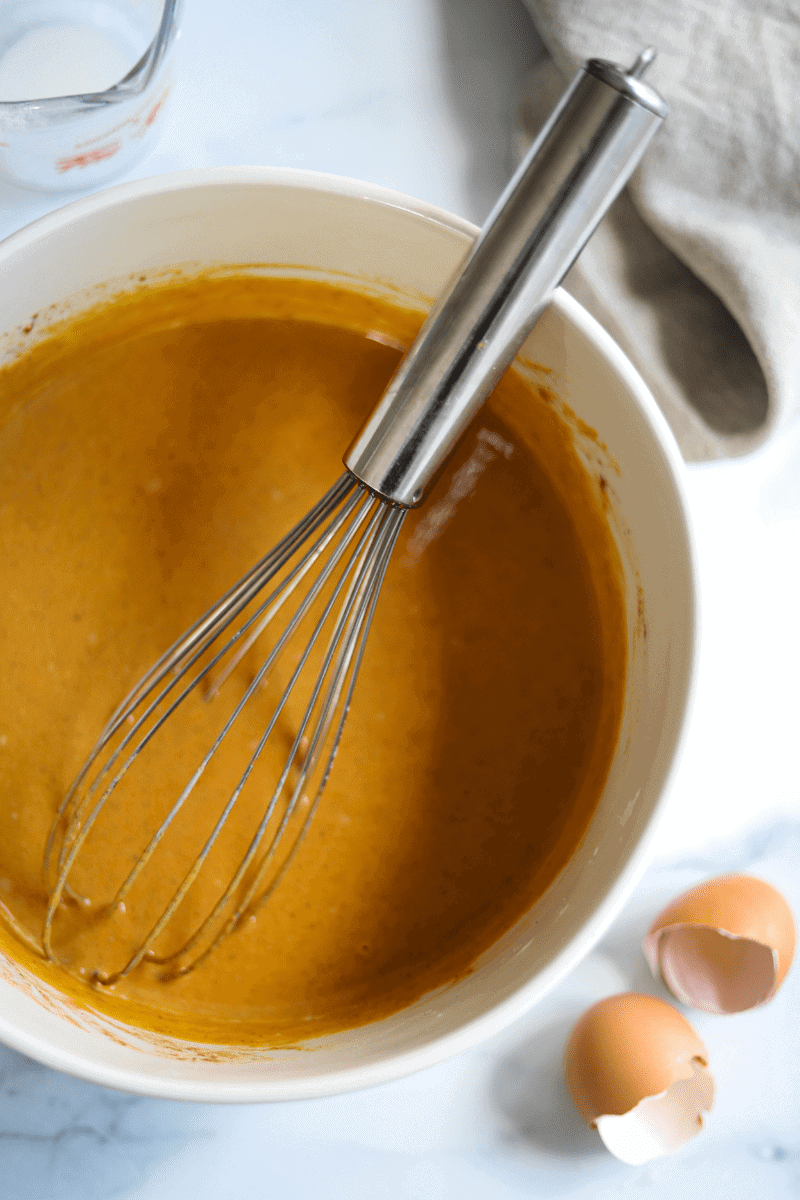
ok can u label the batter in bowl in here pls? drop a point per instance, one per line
(150, 452)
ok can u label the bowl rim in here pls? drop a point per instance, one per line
(504, 1012)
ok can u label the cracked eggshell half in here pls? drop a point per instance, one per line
(637, 1072)
(725, 946)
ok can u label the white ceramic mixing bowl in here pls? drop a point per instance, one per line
(405, 249)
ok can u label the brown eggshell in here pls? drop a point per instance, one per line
(625, 1049)
(724, 946)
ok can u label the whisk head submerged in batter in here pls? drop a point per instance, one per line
(300, 691)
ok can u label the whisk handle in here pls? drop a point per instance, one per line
(576, 167)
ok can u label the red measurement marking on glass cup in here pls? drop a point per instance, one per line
(91, 156)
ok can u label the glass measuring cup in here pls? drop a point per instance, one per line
(82, 84)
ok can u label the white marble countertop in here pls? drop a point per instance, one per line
(420, 95)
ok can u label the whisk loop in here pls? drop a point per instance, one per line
(354, 533)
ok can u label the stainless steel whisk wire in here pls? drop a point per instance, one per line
(379, 527)
(574, 170)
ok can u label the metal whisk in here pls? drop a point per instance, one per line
(339, 552)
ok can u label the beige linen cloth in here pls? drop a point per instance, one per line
(696, 270)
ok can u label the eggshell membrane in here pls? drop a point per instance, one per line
(659, 1125)
(625, 1049)
(724, 946)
